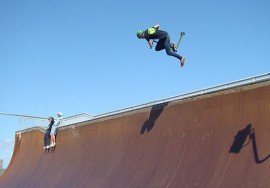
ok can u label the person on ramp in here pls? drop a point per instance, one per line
(163, 37)
(54, 128)
(47, 136)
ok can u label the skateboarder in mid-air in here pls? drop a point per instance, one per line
(163, 37)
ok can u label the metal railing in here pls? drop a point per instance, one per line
(27, 121)
(234, 84)
(76, 119)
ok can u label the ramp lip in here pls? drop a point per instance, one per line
(218, 88)
(235, 84)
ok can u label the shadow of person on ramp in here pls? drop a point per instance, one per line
(240, 139)
(156, 110)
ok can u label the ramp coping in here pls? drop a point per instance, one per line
(230, 85)
(221, 87)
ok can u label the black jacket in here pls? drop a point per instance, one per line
(50, 125)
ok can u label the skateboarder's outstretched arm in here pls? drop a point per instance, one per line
(150, 42)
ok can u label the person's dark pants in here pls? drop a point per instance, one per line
(164, 43)
(47, 138)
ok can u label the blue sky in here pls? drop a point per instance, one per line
(83, 56)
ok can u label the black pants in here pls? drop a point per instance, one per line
(47, 138)
(164, 43)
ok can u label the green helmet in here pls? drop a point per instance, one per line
(139, 33)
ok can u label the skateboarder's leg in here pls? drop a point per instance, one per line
(171, 53)
(167, 45)
(160, 45)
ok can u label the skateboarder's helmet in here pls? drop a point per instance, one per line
(139, 33)
(59, 114)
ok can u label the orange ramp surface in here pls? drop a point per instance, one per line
(221, 139)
